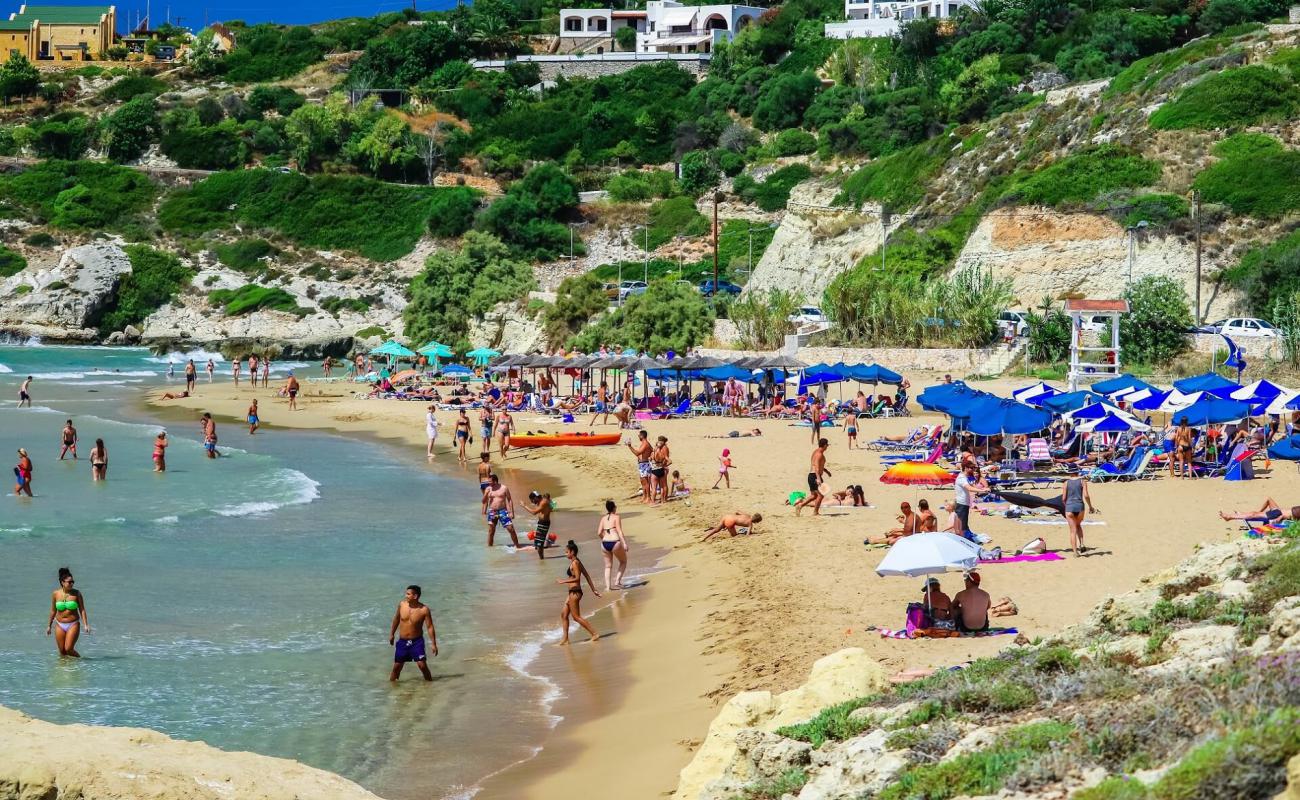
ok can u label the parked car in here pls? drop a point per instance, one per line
(1018, 321)
(724, 287)
(1096, 323)
(628, 288)
(1242, 326)
(808, 315)
(610, 289)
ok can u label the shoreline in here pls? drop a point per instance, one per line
(755, 612)
(650, 666)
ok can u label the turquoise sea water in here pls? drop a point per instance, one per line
(245, 602)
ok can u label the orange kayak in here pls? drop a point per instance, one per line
(557, 439)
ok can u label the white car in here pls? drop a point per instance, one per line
(808, 315)
(1015, 320)
(628, 288)
(1095, 324)
(1244, 326)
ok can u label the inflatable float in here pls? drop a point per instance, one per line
(558, 439)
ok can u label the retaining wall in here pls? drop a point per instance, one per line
(594, 66)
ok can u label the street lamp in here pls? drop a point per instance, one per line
(645, 270)
(572, 227)
(1132, 245)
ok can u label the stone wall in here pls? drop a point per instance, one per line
(597, 65)
(900, 359)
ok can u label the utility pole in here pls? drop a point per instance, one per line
(1196, 219)
(645, 270)
(716, 196)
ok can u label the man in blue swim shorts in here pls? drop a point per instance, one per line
(500, 510)
(411, 616)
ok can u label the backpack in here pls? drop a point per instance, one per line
(917, 618)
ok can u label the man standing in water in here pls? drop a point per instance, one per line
(411, 617)
(500, 510)
(69, 441)
(24, 396)
(210, 435)
(190, 376)
(816, 473)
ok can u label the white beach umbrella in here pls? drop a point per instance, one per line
(1259, 391)
(928, 554)
(1117, 422)
(1132, 397)
(1177, 400)
(1279, 404)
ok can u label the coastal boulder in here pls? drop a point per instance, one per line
(1292, 791)
(67, 300)
(859, 767)
(771, 755)
(719, 767)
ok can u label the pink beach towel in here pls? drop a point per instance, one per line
(890, 633)
(1025, 557)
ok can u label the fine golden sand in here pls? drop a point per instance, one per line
(754, 612)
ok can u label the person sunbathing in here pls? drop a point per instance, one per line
(777, 409)
(909, 523)
(1004, 608)
(170, 396)
(1269, 512)
(735, 524)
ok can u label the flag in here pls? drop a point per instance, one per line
(1236, 359)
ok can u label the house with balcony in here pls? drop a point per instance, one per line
(665, 26)
(868, 18)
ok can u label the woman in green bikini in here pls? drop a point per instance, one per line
(68, 611)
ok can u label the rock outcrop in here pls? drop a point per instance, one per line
(116, 763)
(64, 301)
(720, 767)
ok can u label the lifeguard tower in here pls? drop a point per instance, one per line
(1092, 363)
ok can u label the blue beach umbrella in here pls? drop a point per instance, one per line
(1024, 393)
(1211, 411)
(873, 373)
(1286, 449)
(435, 350)
(1120, 383)
(455, 370)
(1070, 401)
(1205, 382)
(995, 415)
(1114, 424)
(1152, 402)
(1260, 391)
(936, 398)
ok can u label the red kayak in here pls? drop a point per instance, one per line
(558, 439)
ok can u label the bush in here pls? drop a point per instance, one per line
(216, 147)
(245, 255)
(1154, 209)
(1255, 179)
(280, 98)
(18, 78)
(154, 280)
(774, 192)
(898, 180)
(251, 297)
(1267, 273)
(379, 220)
(455, 288)
(1081, 178)
(40, 239)
(269, 52)
(783, 101)
(1248, 762)
(1244, 96)
(334, 305)
(1154, 330)
(982, 772)
(625, 38)
(451, 211)
(699, 171)
(11, 263)
(577, 300)
(794, 142)
(1114, 788)
(674, 217)
(529, 216)
(62, 136)
(668, 316)
(129, 130)
(763, 319)
(78, 194)
(1049, 335)
(130, 87)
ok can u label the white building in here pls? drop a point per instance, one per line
(666, 26)
(866, 18)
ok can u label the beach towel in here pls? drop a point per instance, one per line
(1059, 522)
(1026, 557)
(935, 633)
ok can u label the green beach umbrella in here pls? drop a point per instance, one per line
(393, 348)
(482, 355)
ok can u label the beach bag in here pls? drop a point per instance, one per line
(917, 618)
(990, 555)
(1034, 547)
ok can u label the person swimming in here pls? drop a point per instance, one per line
(68, 611)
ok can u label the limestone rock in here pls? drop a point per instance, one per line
(508, 328)
(714, 758)
(769, 754)
(65, 300)
(1198, 648)
(133, 762)
(859, 767)
(1292, 791)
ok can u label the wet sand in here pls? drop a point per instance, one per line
(755, 612)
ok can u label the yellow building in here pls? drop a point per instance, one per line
(58, 33)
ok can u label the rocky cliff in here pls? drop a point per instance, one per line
(63, 301)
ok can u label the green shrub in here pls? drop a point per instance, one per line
(1114, 788)
(1055, 659)
(529, 217)
(978, 773)
(1267, 273)
(269, 52)
(62, 136)
(1155, 209)
(251, 297)
(451, 211)
(40, 239)
(794, 142)
(1153, 330)
(1081, 178)
(215, 147)
(831, 724)
(155, 278)
(1244, 96)
(1245, 145)
(382, 221)
(336, 304)
(668, 316)
(787, 783)
(773, 192)
(1247, 762)
(1278, 577)
(78, 194)
(130, 87)
(56, 285)
(1255, 179)
(676, 216)
(897, 180)
(280, 98)
(373, 330)
(25, 288)
(130, 129)
(245, 255)
(11, 263)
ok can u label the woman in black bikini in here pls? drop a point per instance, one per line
(614, 545)
(99, 461)
(572, 604)
(68, 609)
(462, 434)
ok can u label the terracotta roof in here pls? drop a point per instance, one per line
(628, 15)
(1099, 306)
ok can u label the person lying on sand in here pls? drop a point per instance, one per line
(737, 434)
(1004, 608)
(1269, 512)
(853, 493)
(734, 523)
(171, 396)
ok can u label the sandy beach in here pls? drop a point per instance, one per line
(754, 612)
